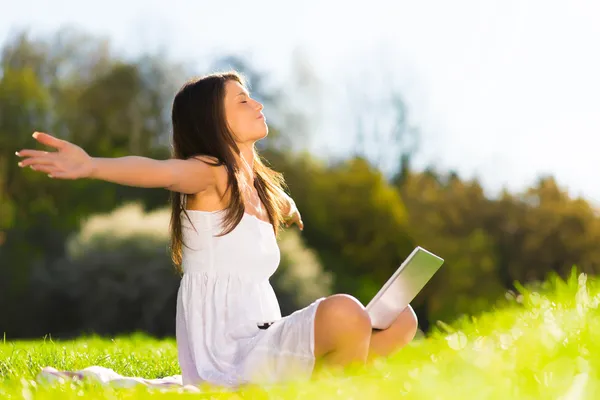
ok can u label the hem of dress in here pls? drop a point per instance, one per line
(312, 330)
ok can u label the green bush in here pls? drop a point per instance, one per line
(117, 277)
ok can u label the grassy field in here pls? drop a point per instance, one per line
(539, 344)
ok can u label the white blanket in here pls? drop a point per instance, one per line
(110, 377)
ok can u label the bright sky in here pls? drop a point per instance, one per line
(488, 83)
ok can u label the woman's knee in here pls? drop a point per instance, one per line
(344, 310)
(409, 323)
(412, 322)
(340, 319)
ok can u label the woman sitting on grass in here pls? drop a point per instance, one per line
(227, 208)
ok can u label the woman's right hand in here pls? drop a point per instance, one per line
(68, 162)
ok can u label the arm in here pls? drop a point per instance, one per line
(290, 212)
(290, 206)
(184, 176)
(72, 162)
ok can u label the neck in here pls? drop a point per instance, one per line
(245, 160)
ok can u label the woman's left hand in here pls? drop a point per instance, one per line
(295, 218)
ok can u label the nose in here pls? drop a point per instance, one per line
(259, 106)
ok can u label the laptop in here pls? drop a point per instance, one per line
(402, 287)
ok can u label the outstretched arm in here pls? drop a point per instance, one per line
(290, 212)
(72, 162)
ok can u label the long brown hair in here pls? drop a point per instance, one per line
(200, 128)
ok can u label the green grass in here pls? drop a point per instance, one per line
(538, 345)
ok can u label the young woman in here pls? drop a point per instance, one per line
(227, 208)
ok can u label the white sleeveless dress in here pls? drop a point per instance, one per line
(229, 327)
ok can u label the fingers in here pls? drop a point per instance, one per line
(49, 140)
(36, 161)
(296, 221)
(62, 175)
(32, 153)
(48, 169)
(54, 172)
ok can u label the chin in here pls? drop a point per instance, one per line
(263, 134)
(256, 135)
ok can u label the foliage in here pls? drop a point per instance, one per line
(117, 277)
(359, 225)
(489, 244)
(72, 86)
(355, 220)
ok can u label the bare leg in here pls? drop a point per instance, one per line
(396, 336)
(342, 331)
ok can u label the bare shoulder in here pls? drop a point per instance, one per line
(208, 183)
(212, 197)
(217, 168)
(194, 174)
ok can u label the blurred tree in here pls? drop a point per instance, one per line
(300, 105)
(490, 244)
(380, 128)
(23, 102)
(355, 221)
(72, 86)
(116, 277)
(358, 224)
(543, 230)
(445, 217)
